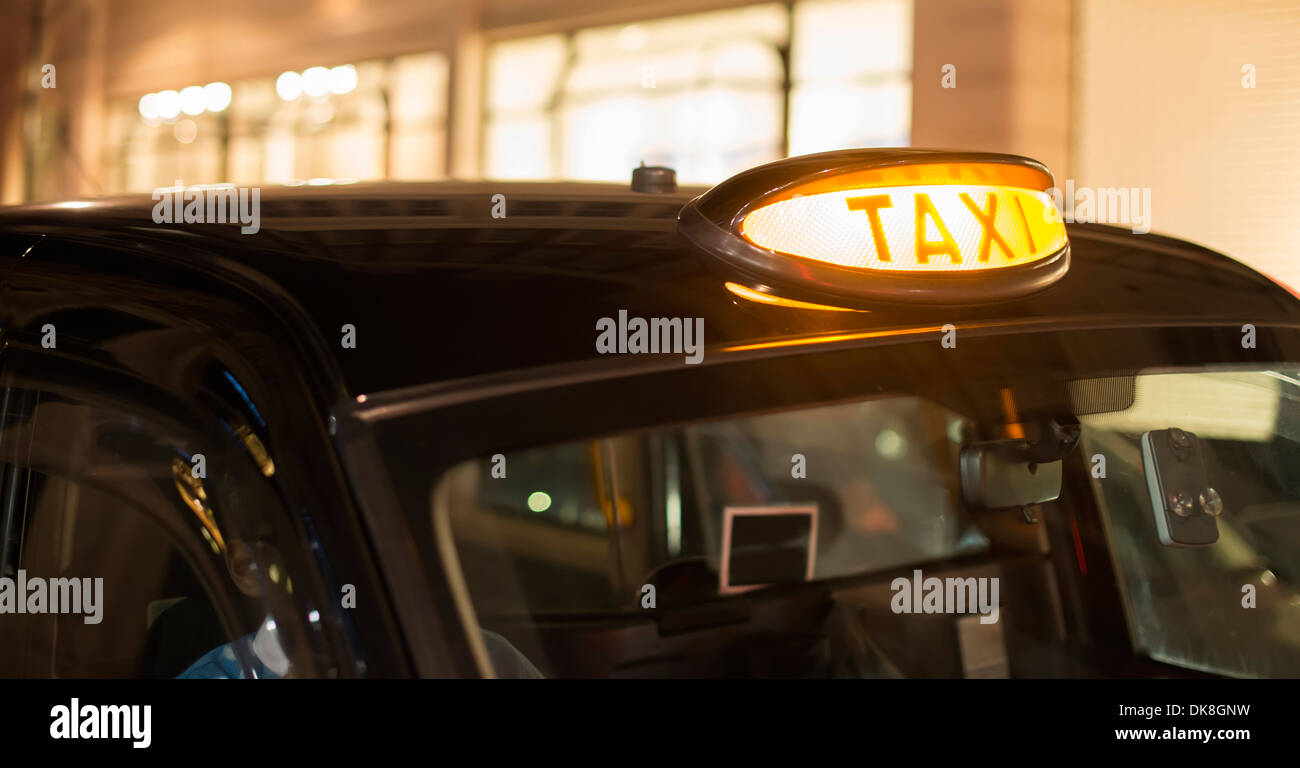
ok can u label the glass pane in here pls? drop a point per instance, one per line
(845, 39)
(705, 135)
(543, 537)
(376, 119)
(764, 23)
(208, 587)
(1233, 606)
(699, 93)
(828, 117)
(523, 74)
(518, 148)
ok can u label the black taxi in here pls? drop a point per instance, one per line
(871, 413)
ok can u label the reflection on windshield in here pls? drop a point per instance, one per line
(881, 474)
(709, 549)
(880, 478)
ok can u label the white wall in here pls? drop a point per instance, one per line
(1012, 60)
(1158, 102)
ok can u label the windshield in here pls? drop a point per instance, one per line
(879, 478)
(850, 539)
(663, 527)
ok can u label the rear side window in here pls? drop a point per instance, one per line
(134, 546)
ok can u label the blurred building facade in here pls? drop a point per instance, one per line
(1108, 93)
(276, 91)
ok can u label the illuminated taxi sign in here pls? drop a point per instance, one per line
(912, 229)
(895, 225)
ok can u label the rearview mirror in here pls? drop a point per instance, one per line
(994, 475)
(1022, 471)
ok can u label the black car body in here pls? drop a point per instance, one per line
(472, 337)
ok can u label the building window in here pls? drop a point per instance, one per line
(707, 94)
(852, 75)
(371, 120)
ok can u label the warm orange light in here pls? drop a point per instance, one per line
(778, 301)
(832, 338)
(1014, 430)
(926, 227)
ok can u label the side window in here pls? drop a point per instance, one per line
(134, 544)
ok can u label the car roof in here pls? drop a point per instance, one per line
(438, 289)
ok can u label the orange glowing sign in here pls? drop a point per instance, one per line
(937, 219)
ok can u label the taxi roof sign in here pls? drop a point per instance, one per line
(886, 225)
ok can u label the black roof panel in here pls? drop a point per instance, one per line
(438, 289)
